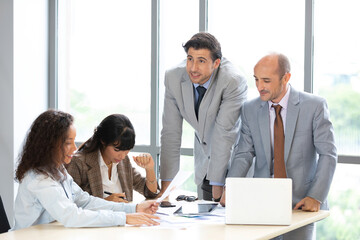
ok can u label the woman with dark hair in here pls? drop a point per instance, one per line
(102, 168)
(47, 192)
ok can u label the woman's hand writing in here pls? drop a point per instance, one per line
(117, 197)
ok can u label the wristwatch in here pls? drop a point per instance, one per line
(216, 199)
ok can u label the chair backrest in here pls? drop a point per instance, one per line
(4, 223)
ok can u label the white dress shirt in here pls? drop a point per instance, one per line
(41, 199)
(112, 185)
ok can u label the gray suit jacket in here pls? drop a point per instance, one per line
(310, 152)
(216, 130)
(85, 170)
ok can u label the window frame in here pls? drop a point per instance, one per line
(154, 147)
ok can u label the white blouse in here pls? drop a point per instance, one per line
(109, 185)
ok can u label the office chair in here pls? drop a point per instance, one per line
(4, 223)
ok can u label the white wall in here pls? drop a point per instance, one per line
(23, 82)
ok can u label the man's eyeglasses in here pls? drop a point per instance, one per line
(186, 198)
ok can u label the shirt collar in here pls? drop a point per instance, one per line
(283, 102)
(205, 85)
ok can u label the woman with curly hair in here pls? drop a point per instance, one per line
(47, 192)
(102, 167)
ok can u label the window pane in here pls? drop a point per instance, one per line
(337, 79)
(248, 30)
(344, 199)
(104, 63)
(137, 197)
(179, 20)
(337, 68)
(188, 187)
(187, 164)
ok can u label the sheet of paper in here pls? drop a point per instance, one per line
(178, 222)
(178, 180)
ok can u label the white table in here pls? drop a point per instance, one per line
(199, 231)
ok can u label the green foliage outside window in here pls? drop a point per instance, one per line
(344, 221)
(343, 103)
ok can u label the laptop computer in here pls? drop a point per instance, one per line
(259, 201)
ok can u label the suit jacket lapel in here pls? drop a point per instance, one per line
(94, 174)
(187, 89)
(291, 120)
(188, 98)
(263, 120)
(124, 182)
(205, 103)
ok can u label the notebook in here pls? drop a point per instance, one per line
(262, 201)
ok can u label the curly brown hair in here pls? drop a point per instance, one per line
(43, 149)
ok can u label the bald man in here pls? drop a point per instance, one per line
(309, 154)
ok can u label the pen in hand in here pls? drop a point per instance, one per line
(109, 193)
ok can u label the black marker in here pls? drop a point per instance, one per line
(109, 193)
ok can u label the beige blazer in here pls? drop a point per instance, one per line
(85, 170)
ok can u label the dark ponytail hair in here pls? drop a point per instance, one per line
(116, 130)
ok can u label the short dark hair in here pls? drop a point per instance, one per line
(40, 151)
(203, 40)
(116, 130)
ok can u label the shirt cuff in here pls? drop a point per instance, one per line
(120, 218)
(132, 207)
(167, 180)
(216, 183)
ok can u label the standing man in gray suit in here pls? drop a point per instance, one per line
(308, 153)
(207, 91)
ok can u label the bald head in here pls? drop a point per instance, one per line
(272, 74)
(279, 62)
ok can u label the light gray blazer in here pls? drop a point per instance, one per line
(310, 152)
(216, 131)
